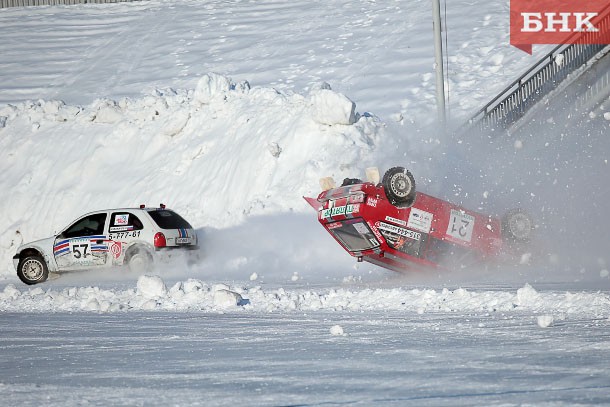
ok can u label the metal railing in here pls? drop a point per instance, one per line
(28, 3)
(513, 102)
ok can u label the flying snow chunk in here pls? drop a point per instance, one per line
(210, 86)
(545, 321)
(337, 330)
(329, 107)
(559, 59)
(151, 287)
(526, 258)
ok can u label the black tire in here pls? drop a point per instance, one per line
(139, 260)
(399, 186)
(351, 181)
(32, 270)
(517, 226)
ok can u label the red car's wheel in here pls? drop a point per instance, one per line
(517, 226)
(399, 186)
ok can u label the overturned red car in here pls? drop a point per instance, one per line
(389, 224)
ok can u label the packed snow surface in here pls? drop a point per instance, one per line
(229, 112)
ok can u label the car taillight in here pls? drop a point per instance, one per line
(160, 240)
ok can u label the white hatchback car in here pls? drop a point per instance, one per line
(135, 237)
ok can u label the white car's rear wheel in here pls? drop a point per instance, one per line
(139, 261)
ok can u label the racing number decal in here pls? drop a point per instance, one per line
(80, 249)
(461, 225)
(77, 252)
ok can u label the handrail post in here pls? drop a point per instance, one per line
(438, 56)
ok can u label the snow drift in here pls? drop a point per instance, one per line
(152, 294)
(215, 154)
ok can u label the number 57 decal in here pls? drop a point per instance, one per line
(80, 249)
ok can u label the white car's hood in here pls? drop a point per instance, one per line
(45, 247)
(39, 244)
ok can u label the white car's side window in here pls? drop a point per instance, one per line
(83, 243)
(124, 227)
(88, 226)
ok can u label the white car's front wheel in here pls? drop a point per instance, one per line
(32, 270)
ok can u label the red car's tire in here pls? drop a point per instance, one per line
(399, 186)
(517, 226)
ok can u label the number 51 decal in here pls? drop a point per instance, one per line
(461, 225)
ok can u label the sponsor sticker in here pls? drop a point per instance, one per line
(397, 221)
(116, 249)
(372, 202)
(339, 210)
(376, 231)
(558, 22)
(121, 220)
(399, 231)
(120, 228)
(420, 220)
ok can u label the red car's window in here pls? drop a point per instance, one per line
(355, 235)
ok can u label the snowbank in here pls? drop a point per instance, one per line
(196, 295)
(216, 154)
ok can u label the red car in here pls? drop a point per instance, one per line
(393, 226)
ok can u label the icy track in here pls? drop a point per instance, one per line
(218, 345)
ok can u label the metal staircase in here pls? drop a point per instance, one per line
(563, 62)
